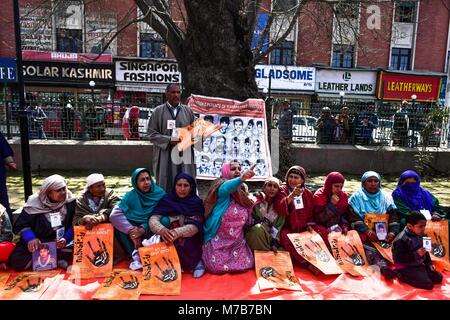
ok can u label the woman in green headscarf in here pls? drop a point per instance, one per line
(130, 217)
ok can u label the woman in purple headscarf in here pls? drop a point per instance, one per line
(178, 219)
(409, 196)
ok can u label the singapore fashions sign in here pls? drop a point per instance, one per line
(141, 71)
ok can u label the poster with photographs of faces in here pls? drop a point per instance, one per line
(243, 136)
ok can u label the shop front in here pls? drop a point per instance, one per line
(346, 86)
(8, 80)
(143, 82)
(292, 83)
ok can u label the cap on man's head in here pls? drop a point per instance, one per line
(404, 102)
(326, 109)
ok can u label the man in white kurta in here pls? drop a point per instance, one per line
(168, 161)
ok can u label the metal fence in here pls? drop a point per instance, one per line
(321, 123)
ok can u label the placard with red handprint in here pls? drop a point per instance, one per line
(28, 285)
(312, 248)
(93, 251)
(438, 231)
(274, 270)
(349, 252)
(121, 284)
(161, 270)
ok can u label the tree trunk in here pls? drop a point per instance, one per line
(215, 57)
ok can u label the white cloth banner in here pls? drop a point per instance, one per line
(243, 136)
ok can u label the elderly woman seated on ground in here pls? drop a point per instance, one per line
(178, 219)
(131, 216)
(44, 214)
(267, 221)
(96, 202)
(410, 196)
(370, 199)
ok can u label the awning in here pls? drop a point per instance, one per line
(148, 87)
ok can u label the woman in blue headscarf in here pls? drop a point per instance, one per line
(371, 199)
(178, 219)
(410, 196)
(130, 216)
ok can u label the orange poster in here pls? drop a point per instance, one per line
(312, 248)
(385, 249)
(3, 279)
(438, 232)
(122, 284)
(28, 285)
(349, 252)
(161, 269)
(93, 252)
(274, 270)
(371, 218)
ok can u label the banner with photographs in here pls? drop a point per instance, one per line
(122, 284)
(161, 269)
(243, 136)
(28, 285)
(349, 252)
(379, 223)
(438, 232)
(93, 251)
(312, 248)
(275, 270)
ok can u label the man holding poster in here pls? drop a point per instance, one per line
(163, 128)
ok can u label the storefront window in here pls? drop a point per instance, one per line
(342, 56)
(405, 11)
(283, 55)
(400, 59)
(152, 46)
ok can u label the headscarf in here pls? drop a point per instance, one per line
(323, 195)
(240, 196)
(40, 203)
(297, 170)
(93, 179)
(364, 202)
(137, 205)
(412, 194)
(189, 206)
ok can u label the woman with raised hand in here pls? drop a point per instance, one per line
(227, 213)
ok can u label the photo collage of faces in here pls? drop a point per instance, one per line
(240, 138)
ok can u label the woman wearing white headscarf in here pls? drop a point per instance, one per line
(44, 213)
(95, 204)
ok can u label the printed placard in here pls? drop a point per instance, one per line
(313, 249)
(275, 270)
(28, 285)
(93, 251)
(121, 284)
(349, 252)
(438, 232)
(45, 257)
(161, 269)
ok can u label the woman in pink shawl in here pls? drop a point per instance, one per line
(330, 206)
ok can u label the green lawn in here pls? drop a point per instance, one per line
(120, 181)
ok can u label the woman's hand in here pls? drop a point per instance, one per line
(89, 221)
(61, 243)
(33, 245)
(167, 235)
(435, 217)
(372, 235)
(335, 199)
(248, 174)
(390, 237)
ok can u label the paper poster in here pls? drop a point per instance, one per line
(312, 248)
(161, 269)
(275, 270)
(3, 279)
(385, 249)
(372, 218)
(438, 232)
(242, 136)
(28, 285)
(349, 252)
(45, 257)
(93, 251)
(121, 284)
